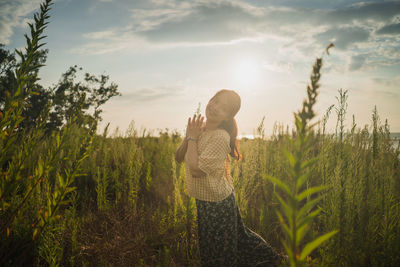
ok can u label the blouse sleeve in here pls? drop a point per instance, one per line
(212, 158)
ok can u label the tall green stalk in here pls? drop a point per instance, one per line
(298, 202)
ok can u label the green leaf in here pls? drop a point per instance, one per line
(35, 232)
(40, 168)
(42, 44)
(301, 232)
(309, 162)
(65, 202)
(316, 243)
(279, 183)
(286, 209)
(60, 180)
(310, 191)
(308, 218)
(308, 206)
(289, 140)
(58, 141)
(312, 125)
(70, 189)
(297, 122)
(289, 252)
(302, 179)
(306, 139)
(284, 225)
(290, 172)
(289, 157)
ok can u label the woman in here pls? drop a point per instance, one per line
(223, 238)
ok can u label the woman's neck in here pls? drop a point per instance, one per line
(210, 125)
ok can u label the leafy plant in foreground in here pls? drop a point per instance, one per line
(297, 200)
(37, 172)
(11, 160)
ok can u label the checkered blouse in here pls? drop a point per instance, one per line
(213, 150)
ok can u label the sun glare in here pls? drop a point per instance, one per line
(247, 72)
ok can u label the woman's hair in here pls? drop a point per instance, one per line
(230, 125)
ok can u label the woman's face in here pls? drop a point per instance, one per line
(218, 108)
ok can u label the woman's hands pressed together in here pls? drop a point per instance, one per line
(193, 131)
(194, 126)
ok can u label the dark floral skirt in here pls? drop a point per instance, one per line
(225, 241)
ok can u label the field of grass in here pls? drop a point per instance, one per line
(130, 206)
(72, 197)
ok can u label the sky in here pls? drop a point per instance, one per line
(167, 56)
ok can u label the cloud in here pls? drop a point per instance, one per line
(165, 24)
(278, 66)
(343, 37)
(391, 29)
(357, 62)
(148, 19)
(146, 95)
(110, 41)
(373, 59)
(362, 12)
(206, 22)
(99, 35)
(388, 94)
(391, 52)
(13, 14)
(203, 21)
(389, 82)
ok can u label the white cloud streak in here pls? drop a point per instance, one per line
(146, 95)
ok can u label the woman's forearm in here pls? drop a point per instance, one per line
(181, 151)
(193, 159)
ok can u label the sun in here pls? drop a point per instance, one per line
(247, 72)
